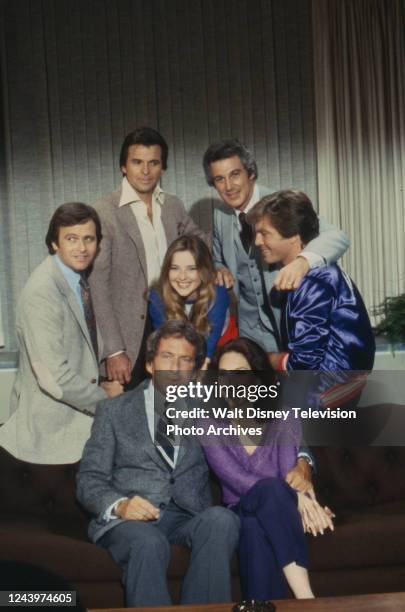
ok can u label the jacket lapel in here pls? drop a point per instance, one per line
(130, 225)
(169, 223)
(74, 306)
(142, 425)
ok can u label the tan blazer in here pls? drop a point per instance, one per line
(56, 391)
(119, 277)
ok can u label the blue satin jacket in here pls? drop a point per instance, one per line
(325, 324)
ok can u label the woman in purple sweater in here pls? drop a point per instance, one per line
(274, 517)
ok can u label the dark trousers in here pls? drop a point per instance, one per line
(271, 537)
(142, 549)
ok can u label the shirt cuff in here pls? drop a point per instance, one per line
(282, 362)
(117, 353)
(306, 456)
(314, 260)
(108, 514)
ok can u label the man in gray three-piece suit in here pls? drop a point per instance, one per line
(231, 168)
(56, 388)
(147, 491)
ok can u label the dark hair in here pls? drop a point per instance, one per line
(147, 137)
(177, 329)
(71, 213)
(252, 352)
(290, 211)
(225, 149)
(256, 356)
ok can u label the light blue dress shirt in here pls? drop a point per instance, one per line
(72, 279)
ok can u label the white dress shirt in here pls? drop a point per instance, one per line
(153, 234)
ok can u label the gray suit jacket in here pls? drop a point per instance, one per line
(331, 243)
(56, 391)
(120, 460)
(119, 277)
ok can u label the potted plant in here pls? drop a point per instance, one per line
(392, 324)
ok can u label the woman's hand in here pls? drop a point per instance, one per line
(300, 477)
(315, 519)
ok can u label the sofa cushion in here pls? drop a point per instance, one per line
(350, 478)
(74, 559)
(369, 538)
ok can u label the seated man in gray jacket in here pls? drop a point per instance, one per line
(147, 492)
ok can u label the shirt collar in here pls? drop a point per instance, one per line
(255, 197)
(72, 277)
(129, 195)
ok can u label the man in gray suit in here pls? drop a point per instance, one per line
(231, 168)
(139, 221)
(56, 389)
(147, 492)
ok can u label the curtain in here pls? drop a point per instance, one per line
(78, 75)
(359, 75)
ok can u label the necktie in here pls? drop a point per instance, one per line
(165, 442)
(89, 313)
(246, 232)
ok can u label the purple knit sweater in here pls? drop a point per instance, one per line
(238, 471)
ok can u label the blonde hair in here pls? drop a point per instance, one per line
(173, 302)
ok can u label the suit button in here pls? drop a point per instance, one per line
(172, 480)
(93, 381)
(162, 506)
(142, 316)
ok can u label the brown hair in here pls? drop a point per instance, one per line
(66, 215)
(174, 304)
(177, 329)
(290, 211)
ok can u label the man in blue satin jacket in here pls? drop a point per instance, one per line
(325, 325)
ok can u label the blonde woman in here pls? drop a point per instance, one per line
(187, 291)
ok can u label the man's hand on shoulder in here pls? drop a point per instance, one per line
(300, 477)
(112, 388)
(225, 278)
(119, 368)
(291, 275)
(137, 509)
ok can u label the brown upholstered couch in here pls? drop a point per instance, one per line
(40, 522)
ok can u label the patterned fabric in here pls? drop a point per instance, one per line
(89, 313)
(164, 442)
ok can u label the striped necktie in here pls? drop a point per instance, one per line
(89, 313)
(164, 442)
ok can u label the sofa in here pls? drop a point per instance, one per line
(41, 523)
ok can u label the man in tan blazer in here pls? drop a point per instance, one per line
(139, 221)
(56, 389)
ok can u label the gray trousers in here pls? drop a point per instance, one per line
(142, 549)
